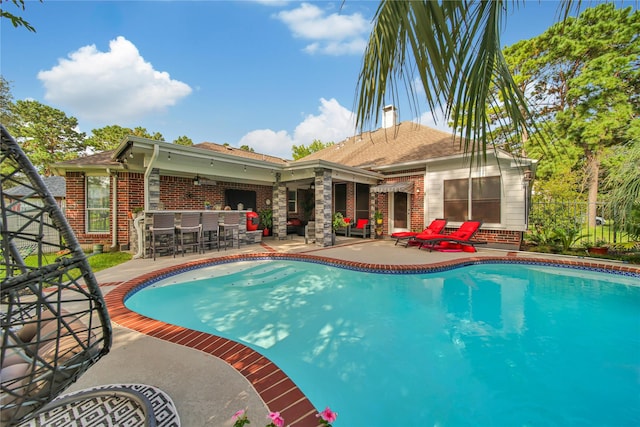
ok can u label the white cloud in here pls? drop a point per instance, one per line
(434, 119)
(333, 124)
(330, 34)
(114, 86)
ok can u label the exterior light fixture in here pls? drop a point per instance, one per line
(196, 181)
(169, 156)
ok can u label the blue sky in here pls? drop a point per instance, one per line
(268, 74)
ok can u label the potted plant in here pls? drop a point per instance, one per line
(207, 205)
(337, 222)
(266, 220)
(600, 247)
(378, 219)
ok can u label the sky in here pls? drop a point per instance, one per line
(268, 74)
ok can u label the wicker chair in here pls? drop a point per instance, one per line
(54, 321)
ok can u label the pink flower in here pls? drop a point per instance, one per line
(277, 420)
(237, 415)
(328, 415)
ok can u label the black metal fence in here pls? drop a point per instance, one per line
(573, 215)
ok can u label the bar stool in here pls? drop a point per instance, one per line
(230, 228)
(163, 233)
(210, 230)
(189, 225)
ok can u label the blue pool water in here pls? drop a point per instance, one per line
(493, 344)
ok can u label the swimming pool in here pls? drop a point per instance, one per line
(480, 345)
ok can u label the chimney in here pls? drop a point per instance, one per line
(389, 116)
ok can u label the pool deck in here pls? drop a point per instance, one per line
(210, 378)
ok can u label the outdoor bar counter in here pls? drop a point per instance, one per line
(144, 221)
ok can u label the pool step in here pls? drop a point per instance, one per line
(260, 275)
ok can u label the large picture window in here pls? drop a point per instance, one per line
(98, 220)
(476, 198)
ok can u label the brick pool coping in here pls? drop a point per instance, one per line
(276, 389)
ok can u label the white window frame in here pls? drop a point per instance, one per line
(91, 209)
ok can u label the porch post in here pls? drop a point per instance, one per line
(279, 208)
(324, 206)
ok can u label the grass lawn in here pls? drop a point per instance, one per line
(96, 261)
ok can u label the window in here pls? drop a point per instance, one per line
(362, 201)
(340, 198)
(98, 220)
(475, 198)
(292, 201)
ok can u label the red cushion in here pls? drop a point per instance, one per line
(361, 223)
(347, 220)
(295, 222)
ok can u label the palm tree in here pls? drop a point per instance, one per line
(453, 48)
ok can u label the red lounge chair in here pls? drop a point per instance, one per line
(459, 240)
(436, 226)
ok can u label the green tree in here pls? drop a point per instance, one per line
(247, 148)
(183, 140)
(582, 79)
(109, 137)
(16, 20)
(623, 184)
(47, 135)
(300, 151)
(6, 101)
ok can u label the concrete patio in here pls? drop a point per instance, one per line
(206, 390)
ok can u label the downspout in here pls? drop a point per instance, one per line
(114, 208)
(138, 223)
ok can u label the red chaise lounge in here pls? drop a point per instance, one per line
(436, 226)
(458, 240)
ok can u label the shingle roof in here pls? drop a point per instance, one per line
(406, 142)
(57, 186)
(227, 149)
(99, 159)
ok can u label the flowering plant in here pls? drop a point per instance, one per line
(240, 418)
(327, 417)
(276, 420)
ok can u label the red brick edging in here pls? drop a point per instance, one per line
(275, 388)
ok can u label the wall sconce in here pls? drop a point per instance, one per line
(169, 156)
(312, 187)
(196, 181)
(211, 164)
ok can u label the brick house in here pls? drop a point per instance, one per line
(410, 173)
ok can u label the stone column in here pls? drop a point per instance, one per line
(279, 208)
(154, 189)
(324, 207)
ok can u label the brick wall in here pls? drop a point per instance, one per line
(175, 194)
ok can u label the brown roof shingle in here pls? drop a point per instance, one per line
(406, 142)
(227, 149)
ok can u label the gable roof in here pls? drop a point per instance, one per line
(57, 186)
(406, 142)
